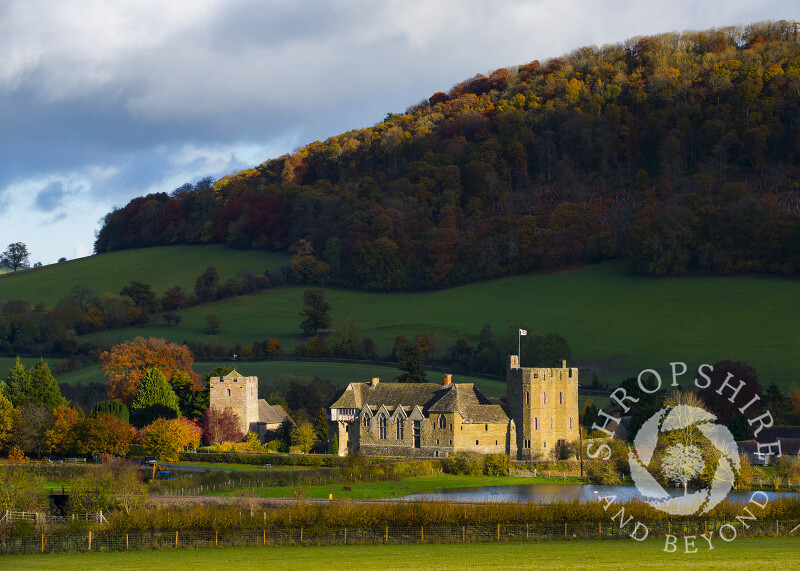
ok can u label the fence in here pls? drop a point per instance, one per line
(56, 543)
(43, 518)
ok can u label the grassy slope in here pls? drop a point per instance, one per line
(771, 553)
(625, 321)
(161, 267)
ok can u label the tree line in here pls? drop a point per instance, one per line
(675, 151)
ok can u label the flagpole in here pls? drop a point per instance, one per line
(519, 345)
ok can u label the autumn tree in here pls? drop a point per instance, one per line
(304, 436)
(214, 323)
(126, 363)
(15, 256)
(30, 432)
(102, 433)
(8, 415)
(62, 436)
(165, 439)
(154, 399)
(303, 266)
(221, 425)
(315, 312)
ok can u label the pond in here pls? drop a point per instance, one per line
(553, 493)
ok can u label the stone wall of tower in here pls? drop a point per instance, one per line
(544, 404)
(238, 394)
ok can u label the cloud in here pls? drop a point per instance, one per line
(116, 99)
(50, 197)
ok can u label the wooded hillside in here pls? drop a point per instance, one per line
(675, 151)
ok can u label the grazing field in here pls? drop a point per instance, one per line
(768, 553)
(161, 267)
(390, 488)
(616, 322)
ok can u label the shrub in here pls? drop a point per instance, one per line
(495, 465)
(464, 463)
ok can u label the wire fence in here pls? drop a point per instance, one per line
(187, 539)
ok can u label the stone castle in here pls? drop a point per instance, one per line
(438, 420)
(240, 395)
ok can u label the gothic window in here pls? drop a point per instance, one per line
(366, 421)
(442, 422)
(382, 423)
(399, 428)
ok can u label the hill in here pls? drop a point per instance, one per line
(676, 151)
(161, 268)
(617, 322)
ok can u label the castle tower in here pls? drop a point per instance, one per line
(543, 402)
(238, 394)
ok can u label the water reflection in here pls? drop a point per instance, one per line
(551, 493)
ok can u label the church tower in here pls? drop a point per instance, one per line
(543, 402)
(239, 394)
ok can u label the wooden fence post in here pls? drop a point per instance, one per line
(126, 542)
(301, 535)
(527, 530)
(498, 532)
(345, 536)
(42, 543)
(565, 530)
(176, 539)
(90, 540)
(386, 539)
(265, 537)
(422, 533)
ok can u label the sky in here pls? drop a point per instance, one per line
(102, 101)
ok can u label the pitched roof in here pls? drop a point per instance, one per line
(463, 398)
(271, 414)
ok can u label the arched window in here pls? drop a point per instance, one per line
(442, 422)
(365, 422)
(382, 423)
(399, 428)
(229, 392)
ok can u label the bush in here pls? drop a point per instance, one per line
(464, 463)
(495, 465)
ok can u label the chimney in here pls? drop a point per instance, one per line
(375, 381)
(564, 364)
(448, 379)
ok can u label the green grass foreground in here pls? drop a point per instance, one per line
(768, 553)
(392, 488)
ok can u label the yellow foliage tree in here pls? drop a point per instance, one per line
(62, 437)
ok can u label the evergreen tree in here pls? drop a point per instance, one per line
(155, 399)
(114, 408)
(315, 312)
(777, 404)
(321, 426)
(34, 386)
(411, 366)
(740, 428)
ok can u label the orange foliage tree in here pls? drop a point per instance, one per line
(126, 363)
(62, 437)
(103, 433)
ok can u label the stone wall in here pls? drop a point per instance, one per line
(238, 394)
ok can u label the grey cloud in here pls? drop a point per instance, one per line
(50, 197)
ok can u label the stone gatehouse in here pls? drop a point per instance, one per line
(437, 420)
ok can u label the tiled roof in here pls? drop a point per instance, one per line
(430, 397)
(271, 414)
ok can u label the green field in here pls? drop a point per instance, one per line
(616, 322)
(771, 553)
(391, 488)
(161, 267)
